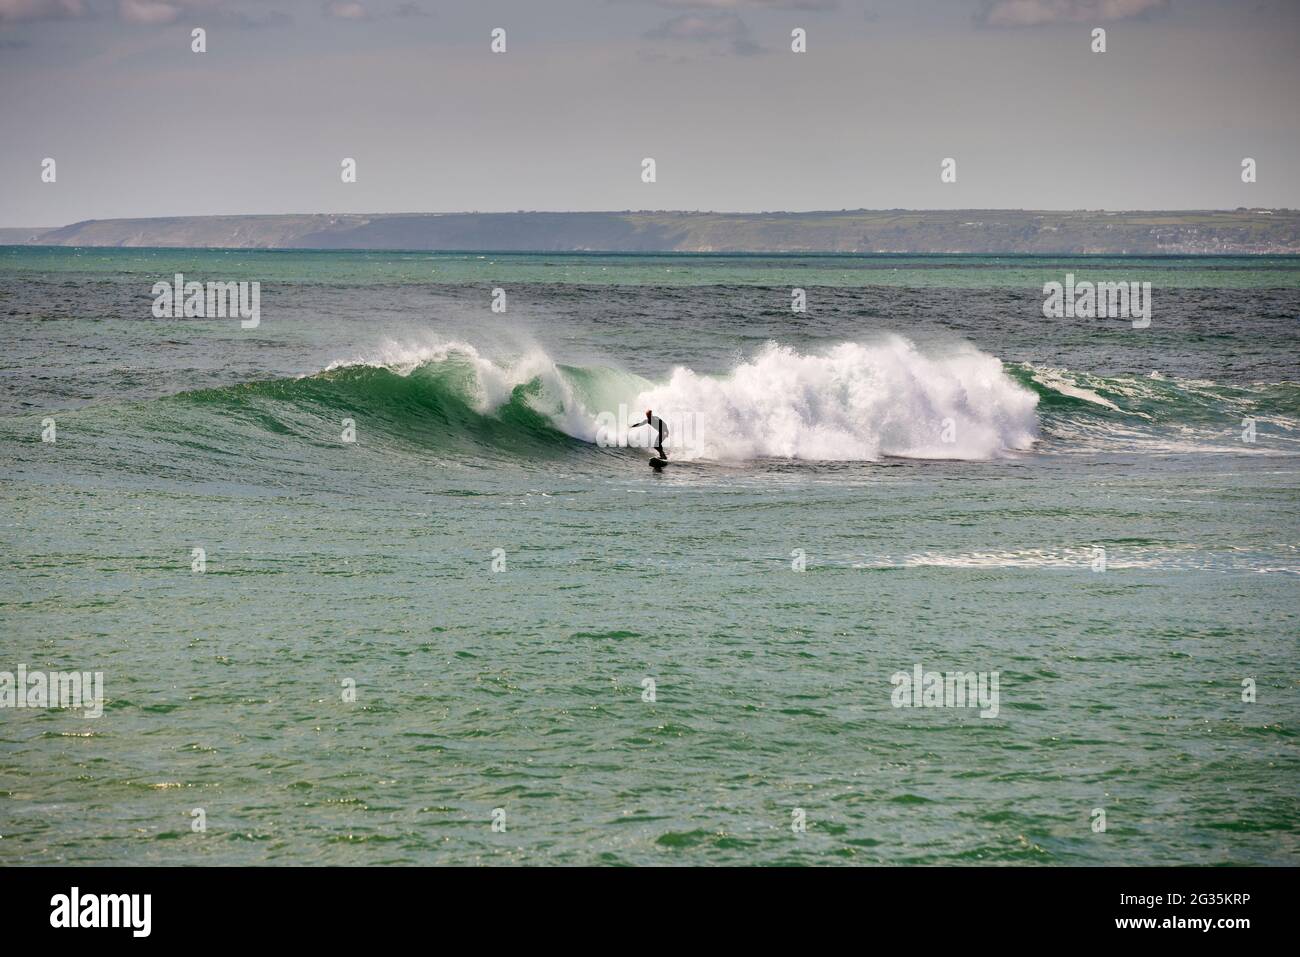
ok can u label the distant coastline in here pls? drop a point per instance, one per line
(999, 231)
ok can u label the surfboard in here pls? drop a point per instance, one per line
(657, 463)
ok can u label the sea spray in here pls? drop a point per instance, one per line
(852, 402)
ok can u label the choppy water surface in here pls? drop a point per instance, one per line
(816, 439)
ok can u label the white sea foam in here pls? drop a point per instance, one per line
(853, 402)
(1062, 381)
(1174, 556)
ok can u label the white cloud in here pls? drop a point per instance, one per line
(346, 10)
(736, 4)
(752, 4)
(147, 11)
(1029, 13)
(14, 10)
(691, 27)
(726, 27)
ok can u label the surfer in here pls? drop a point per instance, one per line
(661, 430)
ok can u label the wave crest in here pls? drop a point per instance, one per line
(854, 402)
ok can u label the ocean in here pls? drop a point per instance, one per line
(379, 580)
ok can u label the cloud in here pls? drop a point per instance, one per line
(705, 27)
(148, 11)
(273, 18)
(144, 12)
(250, 21)
(169, 11)
(356, 11)
(11, 11)
(1032, 13)
(346, 10)
(737, 4)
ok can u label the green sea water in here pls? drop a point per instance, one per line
(480, 611)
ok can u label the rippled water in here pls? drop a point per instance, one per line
(523, 688)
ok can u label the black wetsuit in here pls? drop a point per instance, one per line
(661, 429)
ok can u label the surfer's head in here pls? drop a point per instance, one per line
(648, 412)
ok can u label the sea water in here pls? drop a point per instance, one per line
(369, 582)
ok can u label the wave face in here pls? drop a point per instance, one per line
(1156, 413)
(853, 402)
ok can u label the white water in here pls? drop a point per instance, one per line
(854, 402)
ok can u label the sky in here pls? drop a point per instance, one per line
(139, 125)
